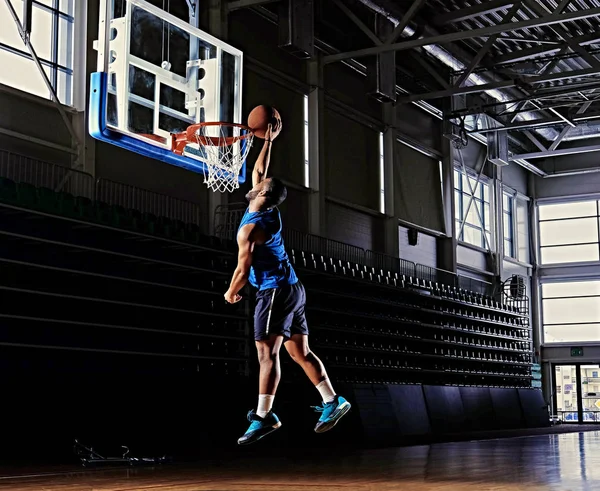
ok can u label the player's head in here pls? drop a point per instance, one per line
(271, 192)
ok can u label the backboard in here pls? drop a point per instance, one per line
(157, 75)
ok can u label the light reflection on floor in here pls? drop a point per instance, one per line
(565, 462)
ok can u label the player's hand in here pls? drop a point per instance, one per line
(232, 297)
(273, 131)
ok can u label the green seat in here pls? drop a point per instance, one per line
(192, 233)
(84, 208)
(8, 190)
(121, 217)
(149, 223)
(48, 200)
(66, 204)
(27, 195)
(178, 230)
(165, 227)
(137, 220)
(105, 213)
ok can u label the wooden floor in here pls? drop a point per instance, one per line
(562, 462)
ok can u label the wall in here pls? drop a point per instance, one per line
(425, 252)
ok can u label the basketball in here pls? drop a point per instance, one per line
(260, 117)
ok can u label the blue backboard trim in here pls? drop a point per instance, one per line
(99, 130)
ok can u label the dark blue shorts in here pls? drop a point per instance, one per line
(280, 311)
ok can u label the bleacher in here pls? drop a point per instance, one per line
(104, 283)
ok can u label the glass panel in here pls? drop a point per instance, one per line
(458, 236)
(473, 236)
(457, 204)
(489, 242)
(508, 248)
(41, 33)
(486, 217)
(472, 216)
(66, 7)
(566, 392)
(23, 74)
(9, 34)
(65, 43)
(507, 226)
(578, 333)
(590, 392)
(457, 179)
(575, 231)
(486, 192)
(570, 289)
(65, 88)
(522, 227)
(571, 310)
(567, 210)
(569, 254)
(506, 205)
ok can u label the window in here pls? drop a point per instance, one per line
(52, 40)
(509, 224)
(306, 157)
(569, 232)
(515, 214)
(475, 213)
(571, 311)
(381, 176)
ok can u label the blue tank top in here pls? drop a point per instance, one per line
(271, 266)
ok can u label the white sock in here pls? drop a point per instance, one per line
(326, 391)
(265, 403)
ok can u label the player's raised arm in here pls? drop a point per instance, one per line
(248, 236)
(261, 166)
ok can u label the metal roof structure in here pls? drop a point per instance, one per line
(526, 68)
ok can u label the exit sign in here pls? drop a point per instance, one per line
(578, 351)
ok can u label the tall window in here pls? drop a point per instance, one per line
(475, 212)
(509, 224)
(571, 311)
(381, 175)
(52, 40)
(306, 157)
(569, 232)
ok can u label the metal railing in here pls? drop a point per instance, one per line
(474, 285)
(38, 173)
(436, 275)
(116, 193)
(386, 262)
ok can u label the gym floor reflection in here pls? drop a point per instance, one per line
(544, 462)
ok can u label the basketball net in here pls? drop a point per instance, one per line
(223, 155)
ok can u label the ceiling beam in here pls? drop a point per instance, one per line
(556, 153)
(484, 50)
(538, 51)
(406, 18)
(567, 128)
(361, 25)
(500, 85)
(473, 33)
(471, 12)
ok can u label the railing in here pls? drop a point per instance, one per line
(386, 262)
(474, 285)
(115, 193)
(436, 275)
(44, 174)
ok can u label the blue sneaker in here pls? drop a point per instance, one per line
(259, 427)
(332, 412)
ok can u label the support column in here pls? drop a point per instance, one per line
(392, 246)
(217, 26)
(316, 98)
(446, 246)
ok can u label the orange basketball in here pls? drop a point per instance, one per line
(260, 117)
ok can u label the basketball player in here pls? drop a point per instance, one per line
(280, 301)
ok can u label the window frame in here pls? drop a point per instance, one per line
(53, 65)
(458, 208)
(514, 239)
(559, 201)
(566, 279)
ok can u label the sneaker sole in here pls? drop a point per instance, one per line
(276, 426)
(341, 411)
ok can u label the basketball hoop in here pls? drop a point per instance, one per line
(222, 147)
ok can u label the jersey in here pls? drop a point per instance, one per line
(271, 266)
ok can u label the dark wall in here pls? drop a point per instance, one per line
(354, 227)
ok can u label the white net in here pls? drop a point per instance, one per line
(224, 155)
